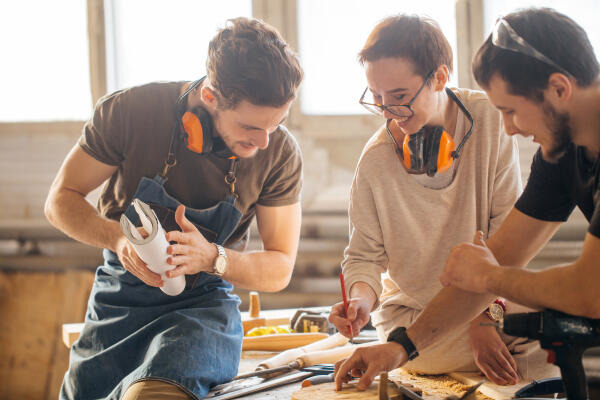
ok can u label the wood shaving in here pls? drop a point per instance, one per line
(433, 386)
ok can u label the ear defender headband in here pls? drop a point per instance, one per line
(431, 150)
(196, 127)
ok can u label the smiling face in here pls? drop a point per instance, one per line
(393, 81)
(528, 118)
(246, 128)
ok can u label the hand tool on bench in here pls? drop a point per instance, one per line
(323, 373)
(255, 319)
(282, 364)
(258, 387)
(305, 360)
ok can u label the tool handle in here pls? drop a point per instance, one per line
(288, 356)
(328, 356)
(280, 341)
(568, 359)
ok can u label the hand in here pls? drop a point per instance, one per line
(134, 264)
(367, 362)
(192, 253)
(358, 315)
(491, 354)
(468, 266)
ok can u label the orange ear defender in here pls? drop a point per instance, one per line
(197, 130)
(430, 150)
(196, 127)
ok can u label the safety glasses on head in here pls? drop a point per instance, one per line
(399, 110)
(505, 37)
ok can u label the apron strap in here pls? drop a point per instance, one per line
(230, 177)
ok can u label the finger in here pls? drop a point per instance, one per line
(178, 260)
(352, 311)
(356, 327)
(178, 249)
(138, 272)
(489, 372)
(143, 269)
(341, 373)
(175, 272)
(509, 365)
(511, 360)
(478, 239)
(176, 236)
(367, 377)
(445, 277)
(182, 221)
(498, 368)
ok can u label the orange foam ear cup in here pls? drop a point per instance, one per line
(193, 129)
(445, 158)
(406, 152)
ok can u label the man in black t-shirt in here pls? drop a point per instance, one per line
(546, 83)
(539, 69)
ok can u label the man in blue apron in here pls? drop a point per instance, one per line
(207, 156)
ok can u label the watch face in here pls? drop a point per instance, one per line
(496, 311)
(220, 265)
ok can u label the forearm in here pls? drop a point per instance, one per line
(448, 310)
(68, 211)
(565, 288)
(265, 271)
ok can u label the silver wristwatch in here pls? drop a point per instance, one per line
(220, 265)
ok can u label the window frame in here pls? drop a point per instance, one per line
(282, 15)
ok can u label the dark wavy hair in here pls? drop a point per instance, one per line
(249, 60)
(556, 36)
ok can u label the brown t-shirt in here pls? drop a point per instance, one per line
(132, 129)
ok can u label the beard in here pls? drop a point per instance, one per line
(560, 129)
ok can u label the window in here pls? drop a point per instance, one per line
(44, 74)
(584, 12)
(150, 40)
(330, 35)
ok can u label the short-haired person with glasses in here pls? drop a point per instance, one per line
(539, 69)
(438, 170)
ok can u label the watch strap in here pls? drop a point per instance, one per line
(399, 336)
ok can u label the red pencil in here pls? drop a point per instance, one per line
(345, 299)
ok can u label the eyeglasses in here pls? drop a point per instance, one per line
(505, 37)
(399, 110)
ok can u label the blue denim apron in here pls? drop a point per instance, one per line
(134, 332)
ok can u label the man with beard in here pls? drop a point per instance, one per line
(208, 156)
(539, 69)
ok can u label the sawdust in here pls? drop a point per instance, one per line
(433, 385)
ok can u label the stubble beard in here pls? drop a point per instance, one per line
(560, 129)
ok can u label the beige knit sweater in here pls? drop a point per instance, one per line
(402, 232)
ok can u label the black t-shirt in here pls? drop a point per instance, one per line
(554, 189)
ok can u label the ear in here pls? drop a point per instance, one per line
(560, 87)
(208, 97)
(440, 78)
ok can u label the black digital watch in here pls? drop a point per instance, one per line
(399, 336)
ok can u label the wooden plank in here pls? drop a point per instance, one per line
(489, 389)
(326, 391)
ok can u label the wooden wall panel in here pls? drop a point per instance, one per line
(33, 306)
